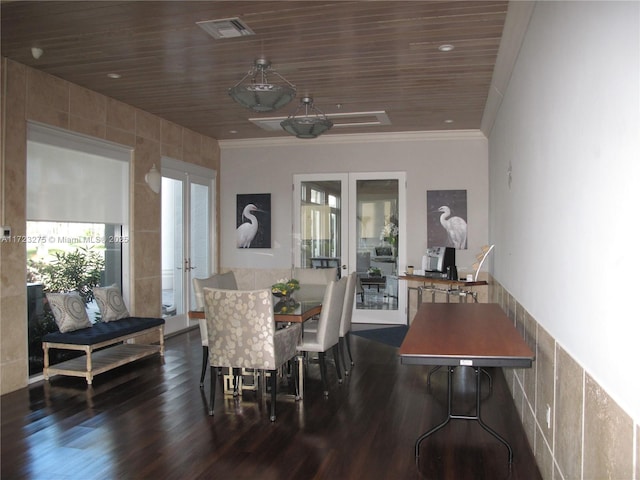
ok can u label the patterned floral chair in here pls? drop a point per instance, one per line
(242, 334)
(226, 281)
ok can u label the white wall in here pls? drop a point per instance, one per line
(566, 231)
(435, 161)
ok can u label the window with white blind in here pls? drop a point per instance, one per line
(77, 202)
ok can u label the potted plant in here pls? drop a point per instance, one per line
(374, 272)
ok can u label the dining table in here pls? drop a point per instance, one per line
(453, 335)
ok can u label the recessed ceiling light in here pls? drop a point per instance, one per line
(114, 75)
(448, 120)
(36, 52)
(233, 131)
(446, 47)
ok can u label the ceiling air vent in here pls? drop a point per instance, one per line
(225, 28)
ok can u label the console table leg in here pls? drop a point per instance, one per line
(484, 425)
(450, 415)
(442, 424)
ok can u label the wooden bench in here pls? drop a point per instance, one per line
(107, 345)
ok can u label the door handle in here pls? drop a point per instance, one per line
(187, 265)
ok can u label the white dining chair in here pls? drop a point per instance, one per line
(344, 345)
(327, 336)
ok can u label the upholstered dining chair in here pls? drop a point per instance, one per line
(344, 344)
(242, 334)
(225, 281)
(313, 282)
(345, 321)
(327, 335)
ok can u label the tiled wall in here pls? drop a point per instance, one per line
(32, 95)
(588, 437)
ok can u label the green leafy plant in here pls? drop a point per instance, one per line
(79, 271)
(285, 287)
(375, 272)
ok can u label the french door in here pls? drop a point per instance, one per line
(187, 237)
(357, 222)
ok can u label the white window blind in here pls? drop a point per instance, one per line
(72, 178)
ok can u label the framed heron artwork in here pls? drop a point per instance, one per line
(253, 220)
(447, 219)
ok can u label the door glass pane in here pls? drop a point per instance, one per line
(200, 260)
(377, 243)
(320, 211)
(172, 247)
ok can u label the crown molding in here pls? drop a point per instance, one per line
(334, 139)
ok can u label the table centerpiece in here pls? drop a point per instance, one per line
(284, 290)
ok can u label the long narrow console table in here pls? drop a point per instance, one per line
(458, 288)
(475, 335)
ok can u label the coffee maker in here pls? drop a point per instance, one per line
(440, 262)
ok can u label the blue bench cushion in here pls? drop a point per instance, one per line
(103, 331)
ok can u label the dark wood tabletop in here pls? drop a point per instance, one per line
(467, 334)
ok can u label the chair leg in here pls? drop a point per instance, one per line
(341, 349)
(274, 386)
(347, 339)
(213, 379)
(336, 359)
(323, 373)
(237, 372)
(346, 345)
(294, 374)
(205, 361)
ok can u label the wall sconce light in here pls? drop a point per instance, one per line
(153, 179)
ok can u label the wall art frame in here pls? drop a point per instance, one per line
(253, 220)
(447, 219)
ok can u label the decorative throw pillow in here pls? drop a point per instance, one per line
(110, 303)
(69, 311)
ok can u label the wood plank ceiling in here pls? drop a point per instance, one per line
(349, 56)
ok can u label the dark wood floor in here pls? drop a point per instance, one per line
(149, 420)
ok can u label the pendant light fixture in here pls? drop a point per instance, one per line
(257, 93)
(309, 125)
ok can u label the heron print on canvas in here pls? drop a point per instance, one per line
(253, 220)
(447, 219)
